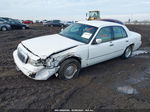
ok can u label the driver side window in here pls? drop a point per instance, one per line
(105, 34)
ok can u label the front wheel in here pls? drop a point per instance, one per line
(69, 69)
(128, 52)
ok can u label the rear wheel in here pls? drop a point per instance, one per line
(69, 69)
(4, 28)
(128, 52)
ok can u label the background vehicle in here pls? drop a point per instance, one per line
(4, 26)
(47, 23)
(6, 19)
(37, 21)
(15, 24)
(54, 23)
(27, 22)
(68, 23)
(44, 21)
(93, 15)
(78, 46)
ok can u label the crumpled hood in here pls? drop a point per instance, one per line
(46, 45)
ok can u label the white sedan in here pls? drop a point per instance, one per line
(78, 46)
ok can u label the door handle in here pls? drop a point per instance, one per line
(111, 45)
(127, 40)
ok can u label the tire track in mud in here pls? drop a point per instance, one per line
(32, 96)
(47, 97)
(68, 94)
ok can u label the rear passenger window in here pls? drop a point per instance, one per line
(105, 34)
(119, 32)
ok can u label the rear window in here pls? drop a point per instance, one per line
(119, 32)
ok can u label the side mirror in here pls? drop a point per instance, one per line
(98, 41)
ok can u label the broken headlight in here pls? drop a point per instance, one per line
(35, 62)
(51, 62)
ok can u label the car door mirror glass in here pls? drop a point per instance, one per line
(98, 41)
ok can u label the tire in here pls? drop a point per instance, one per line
(23, 28)
(69, 69)
(4, 28)
(128, 52)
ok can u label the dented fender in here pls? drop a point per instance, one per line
(52, 64)
(58, 60)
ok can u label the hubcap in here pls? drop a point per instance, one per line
(128, 52)
(70, 71)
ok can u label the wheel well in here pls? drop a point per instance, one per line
(73, 57)
(132, 45)
(3, 26)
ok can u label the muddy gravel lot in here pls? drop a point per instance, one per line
(111, 85)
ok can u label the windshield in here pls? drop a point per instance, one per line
(79, 32)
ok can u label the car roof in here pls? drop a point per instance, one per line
(100, 23)
(113, 20)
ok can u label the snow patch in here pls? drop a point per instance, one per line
(138, 52)
(127, 90)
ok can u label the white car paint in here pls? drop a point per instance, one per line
(55, 48)
(46, 45)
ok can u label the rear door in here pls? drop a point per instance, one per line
(120, 39)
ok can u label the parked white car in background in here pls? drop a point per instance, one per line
(80, 45)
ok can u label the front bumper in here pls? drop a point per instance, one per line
(33, 72)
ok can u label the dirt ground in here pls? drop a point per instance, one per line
(114, 84)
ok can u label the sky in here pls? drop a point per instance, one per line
(75, 9)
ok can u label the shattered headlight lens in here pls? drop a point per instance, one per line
(35, 62)
(51, 62)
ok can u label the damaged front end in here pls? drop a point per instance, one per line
(33, 66)
(47, 68)
(50, 68)
(52, 64)
(39, 68)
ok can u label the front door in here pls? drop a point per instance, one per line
(103, 51)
